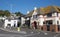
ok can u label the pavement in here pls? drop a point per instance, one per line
(29, 33)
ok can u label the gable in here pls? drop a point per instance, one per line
(34, 13)
(30, 13)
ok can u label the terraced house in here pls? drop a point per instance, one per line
(47, 19)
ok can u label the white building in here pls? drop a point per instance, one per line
(11, 22)
(46, 18)
(22, 21)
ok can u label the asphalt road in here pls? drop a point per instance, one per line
(10, 34)
(28, 34)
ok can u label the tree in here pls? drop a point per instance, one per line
(1, 13)
(6, 13)
(18, 14)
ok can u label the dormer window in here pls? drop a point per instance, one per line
(59, 9)
(49, 15)
(55, 13)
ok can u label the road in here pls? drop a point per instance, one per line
(28, 34)
(10, 34)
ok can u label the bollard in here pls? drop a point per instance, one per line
(18, 28)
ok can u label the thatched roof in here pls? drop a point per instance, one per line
(45, 10)
(30, 13)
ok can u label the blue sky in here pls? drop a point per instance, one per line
(26, 5)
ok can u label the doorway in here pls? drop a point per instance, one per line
(35, 24)
(48, 23)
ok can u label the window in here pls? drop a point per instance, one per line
(9, 25)
(34, 16)
(49, 22)
(49, 15)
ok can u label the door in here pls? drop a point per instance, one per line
(48, 23)
(35, 24)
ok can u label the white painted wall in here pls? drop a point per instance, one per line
(54, 14)
(50, 18)
(22, 21)
(58, 14)
(55, 20)
(12, 22)
(35, 11)
(41, 20)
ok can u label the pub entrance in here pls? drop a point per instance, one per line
(48, 23)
